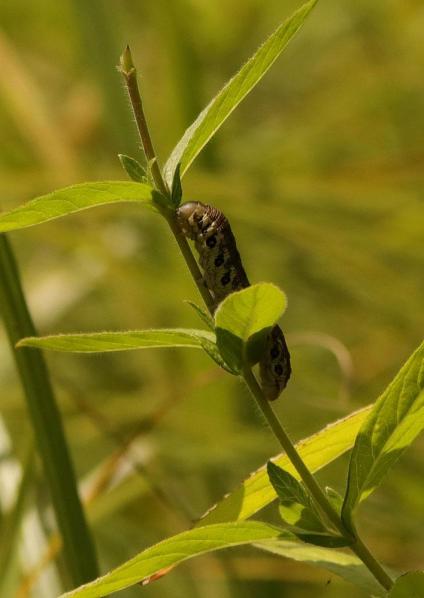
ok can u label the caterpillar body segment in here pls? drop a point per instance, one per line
(223, 274)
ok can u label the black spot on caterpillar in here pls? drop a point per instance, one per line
(223, 274)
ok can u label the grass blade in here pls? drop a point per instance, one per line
(78, 548)
(237, 88)
(74, 199)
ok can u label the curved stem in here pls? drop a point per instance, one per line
(355, 543)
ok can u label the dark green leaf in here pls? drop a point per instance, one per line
(177, 190)
(396, 419)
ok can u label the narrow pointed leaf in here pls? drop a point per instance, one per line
(177, 190)
(74, 199)
(397, 417)
(99, 342)
(175, 550)
(133, 168)
(317, 451)
(347, 566)
(223, 104)
(335, 498)
(203, 315)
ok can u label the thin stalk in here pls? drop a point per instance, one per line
(78, 549)
(355, 543)
(129, 73)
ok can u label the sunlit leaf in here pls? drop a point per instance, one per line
(396, 419)
(410, 585)
(74, 199)
(237, 88)
(99, 342)
(317, 451)
(175, 550)
(347, 566)
(244, 315)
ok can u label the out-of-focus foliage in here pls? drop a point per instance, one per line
(320, 173)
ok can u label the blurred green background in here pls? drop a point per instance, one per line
(320, 172)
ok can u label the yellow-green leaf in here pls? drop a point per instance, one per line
(223, 104)
(317, 451)
(175, 550)
(74, 199)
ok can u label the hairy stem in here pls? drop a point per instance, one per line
(129, 72)
(78, 547)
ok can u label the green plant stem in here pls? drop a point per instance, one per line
(192, 264)
(78, 549)
(129, 72)
(355, 543)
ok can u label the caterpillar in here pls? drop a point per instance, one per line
(223, 274)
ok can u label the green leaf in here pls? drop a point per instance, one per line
(327, 540)
(133, 168)
(176, 189)
(410, 585)
(203, 315)
(100, 342)
(318, 450)
(296, 508)
(346, 566)
(300, 517)
(212, 350)
(237, 88)
(396, 419)
(288, 489)
(74, 199)
(172, 551)
(245, 316)
(335, 499)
